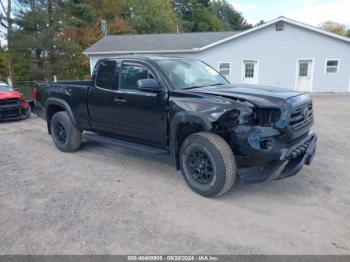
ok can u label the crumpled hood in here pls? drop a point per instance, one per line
(9, 94)
(259, 95)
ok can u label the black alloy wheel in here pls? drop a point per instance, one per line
(60, 133)
(200, 166)
(207, 164)
(65, 135)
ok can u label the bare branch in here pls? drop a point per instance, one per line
(3, 24)
(3, 7)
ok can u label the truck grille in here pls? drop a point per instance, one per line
(302, 116)
(10, 108)
(9, 102)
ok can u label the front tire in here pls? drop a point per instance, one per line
(208, 164)
(65, 135)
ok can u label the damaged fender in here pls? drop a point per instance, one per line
(205, 113)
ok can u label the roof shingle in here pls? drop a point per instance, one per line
(157, 42)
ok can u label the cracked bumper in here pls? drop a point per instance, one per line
(14, 113)
(291, 161)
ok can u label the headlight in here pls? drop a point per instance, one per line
(266, 117)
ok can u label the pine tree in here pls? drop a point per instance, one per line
(150, 16)
(232, 19)
(196, 15)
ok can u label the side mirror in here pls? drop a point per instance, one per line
(148, 85)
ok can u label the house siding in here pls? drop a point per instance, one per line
(277, 53)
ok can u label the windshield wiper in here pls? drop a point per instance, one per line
(192, 87)
(217, 84)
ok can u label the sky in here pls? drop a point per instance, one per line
(312, 12)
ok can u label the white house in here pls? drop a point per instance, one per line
(282, 52)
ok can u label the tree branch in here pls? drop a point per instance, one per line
(2, 17)
(3, 25)
(3, 7)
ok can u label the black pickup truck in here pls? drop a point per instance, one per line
(215, 131)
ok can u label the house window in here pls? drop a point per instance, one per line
(279, 26)
(303, 68)
(332, 66)
(225, 69)
(249, 69)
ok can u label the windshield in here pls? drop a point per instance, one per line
(187, 73)
(4, 87)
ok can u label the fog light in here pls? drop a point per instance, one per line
(265, 144)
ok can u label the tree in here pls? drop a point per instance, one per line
(184, 8)
(44, 45)
(197, 15)
(348, 33)
(3, 64)
(6, 24)
(51, 35)
(261, 22)
(203, 20)
(6, 21)
(150, 16)
(83, 27)
(202, 15)
(47, 37)
(232, 19)
(112, 12)
(334, 27)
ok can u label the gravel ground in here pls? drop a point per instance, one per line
(108, 200)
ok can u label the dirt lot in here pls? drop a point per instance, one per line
(107, 200)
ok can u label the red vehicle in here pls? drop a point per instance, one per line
(13, 106)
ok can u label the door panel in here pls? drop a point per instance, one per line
(101, 110)
(250, 72)
(304, 75)
(140, 115)
(101, 98)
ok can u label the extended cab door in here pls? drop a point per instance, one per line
(101, 97)
(140, 115)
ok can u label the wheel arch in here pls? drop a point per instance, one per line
(182, 125)
(54, 105)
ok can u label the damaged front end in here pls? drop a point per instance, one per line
(13, 109)
(269, 142)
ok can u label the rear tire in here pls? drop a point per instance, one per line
(208, 164)
(65, 135)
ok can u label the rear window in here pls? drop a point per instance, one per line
(106, 75)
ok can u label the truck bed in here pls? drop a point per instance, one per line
(74, 93)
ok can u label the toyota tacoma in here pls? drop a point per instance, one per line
(215, 132)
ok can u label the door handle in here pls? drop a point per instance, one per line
(119, 101)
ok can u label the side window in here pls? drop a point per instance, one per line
(131, 74)
(106, 75)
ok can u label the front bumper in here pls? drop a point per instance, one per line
(291, 160)
(12, 113)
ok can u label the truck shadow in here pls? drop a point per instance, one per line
(302, 186)
(115, 151)
(299, 185)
